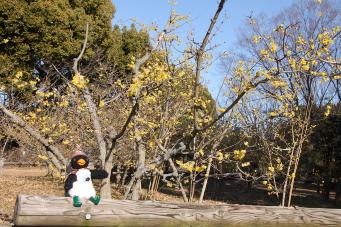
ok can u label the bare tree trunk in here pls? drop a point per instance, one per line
(199, 59)
(125, 174)
(97, 126)
(152, 184)
(4, 147)
(129, 186)
(201, 199)
(106, 185)
(135, 195)
(118, 174)
(140, 166)
(292, 182)
(326, 187)
(338, 191)
(176, 174)
(92, 109)
(157, 183)
(2, 159)
(297, 157)
(286, 179)
(2, 162)
(304, 125)
(192, 184)
(55, 162)
(135, 182)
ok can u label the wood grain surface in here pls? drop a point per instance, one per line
(58, 211)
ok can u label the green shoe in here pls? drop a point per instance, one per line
(76, 202)
(95, 199)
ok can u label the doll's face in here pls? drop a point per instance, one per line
(79, 161)
(83, 175)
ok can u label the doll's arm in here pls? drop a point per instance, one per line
(69, 183)
(98, 174)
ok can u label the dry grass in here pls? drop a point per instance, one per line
(11, 186)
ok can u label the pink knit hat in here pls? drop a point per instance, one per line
(78, 151)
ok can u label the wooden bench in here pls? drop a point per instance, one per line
(58, 211)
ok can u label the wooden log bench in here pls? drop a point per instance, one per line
(58, 211)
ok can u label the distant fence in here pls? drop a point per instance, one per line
(26, 164)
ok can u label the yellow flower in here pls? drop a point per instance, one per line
(32, 83)
(279, 166)
(134, 88)
(64, 103)
(220, 156)
(264, 53)
(273, 47)
(19, 74)
(119, 83)
(43, 157)
(300, 41)
(271, 169)
(188, 165)
(324, 39)
(304, 64)
(273, 114)
(327, 112)
(152, 166)
(220, 110)
(32, 115)
(239, 154)
(66, 142)
(101, 104)
(292, 62)
(269, 187)
(323, 74)
(256, 39)
(245, 164)
(79, 81)
(201, 152)
(200, 168)
(278, 83)
(305, 67)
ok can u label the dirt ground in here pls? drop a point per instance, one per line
(33, 181)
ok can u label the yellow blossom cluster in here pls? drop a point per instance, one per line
(21, 81)
(189, 166)
(79, 81)
(239, 154)
(328, 110)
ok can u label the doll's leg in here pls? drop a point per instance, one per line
(76, 202)
(95, 199)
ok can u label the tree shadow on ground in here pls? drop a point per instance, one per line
(239, 192)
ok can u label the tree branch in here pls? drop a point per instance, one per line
(91, 105)
(199, 59)
(34, 133)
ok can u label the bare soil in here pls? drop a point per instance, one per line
(34, 181)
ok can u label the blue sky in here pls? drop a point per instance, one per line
(200, 12)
